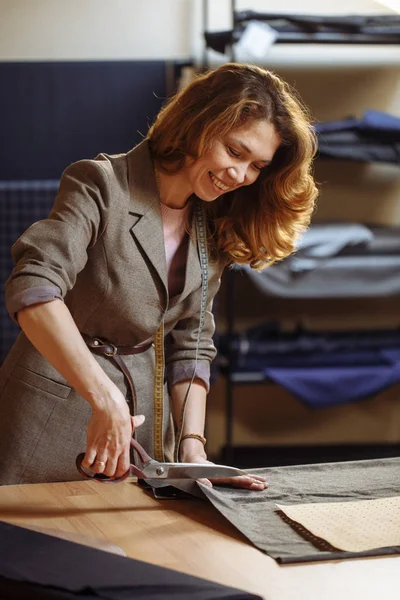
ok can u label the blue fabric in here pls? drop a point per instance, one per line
(320, 368)
(371, 120)
(334, 384)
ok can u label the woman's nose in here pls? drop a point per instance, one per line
(237, 173)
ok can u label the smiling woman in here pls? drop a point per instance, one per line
(116, 284)
(240, 135)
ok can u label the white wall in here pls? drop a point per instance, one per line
(94, 29)
(160, 29)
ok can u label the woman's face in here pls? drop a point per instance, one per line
(233, 161)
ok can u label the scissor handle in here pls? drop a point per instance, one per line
(101, 478)
(144, 457)
(98, 477)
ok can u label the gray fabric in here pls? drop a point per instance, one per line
(257, 517)
(329, 240)
(337, 260)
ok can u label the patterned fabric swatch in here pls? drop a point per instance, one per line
(352, 526)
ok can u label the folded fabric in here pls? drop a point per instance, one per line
(322, 386)
(320, 368)
(373, 121)
(373, 138)
(336, 260)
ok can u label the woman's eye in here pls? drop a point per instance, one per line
(233, 152)
(258, 167)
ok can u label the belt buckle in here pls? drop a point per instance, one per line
(114, 350)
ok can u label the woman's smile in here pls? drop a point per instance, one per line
(218, 183)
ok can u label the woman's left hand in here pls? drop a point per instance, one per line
(248, 482)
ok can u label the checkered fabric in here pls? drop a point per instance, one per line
(21, 204)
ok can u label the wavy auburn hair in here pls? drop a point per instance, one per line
(260, 223)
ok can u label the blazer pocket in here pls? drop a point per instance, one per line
(40, 382)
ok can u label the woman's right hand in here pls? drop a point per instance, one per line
(109, 435)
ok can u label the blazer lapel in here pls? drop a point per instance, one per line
(146, 223)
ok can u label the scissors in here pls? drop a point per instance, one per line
(153, 469)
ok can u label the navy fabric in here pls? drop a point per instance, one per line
(321, 369)
(373, 138)
(372, 120)
(34, 565)
(21, 204)
(54, 113)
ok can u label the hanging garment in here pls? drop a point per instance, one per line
(256, 515)
(332, 29)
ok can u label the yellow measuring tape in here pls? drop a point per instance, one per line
(158, 441)
(158, 436)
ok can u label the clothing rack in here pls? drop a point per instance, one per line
(300, 30)
(305, 29)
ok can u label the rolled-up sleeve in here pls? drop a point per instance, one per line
(51, 253)
(181, 353)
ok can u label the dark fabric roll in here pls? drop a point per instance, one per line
(38, 566)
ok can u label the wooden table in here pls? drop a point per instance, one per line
(189, 536)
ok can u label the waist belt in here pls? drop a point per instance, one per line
(106, 348)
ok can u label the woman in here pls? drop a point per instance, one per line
(112, 278)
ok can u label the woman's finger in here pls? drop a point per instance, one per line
(252, 482)
(100, 462)
(124, 463)
(110, 466)
(206, 482)
(89, 457)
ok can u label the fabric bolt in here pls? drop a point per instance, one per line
(351, 526)
(103, 248)
(34, 565)
(255, 514)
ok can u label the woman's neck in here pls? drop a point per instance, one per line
(174, 190)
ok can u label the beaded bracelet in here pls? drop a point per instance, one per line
(195, 436)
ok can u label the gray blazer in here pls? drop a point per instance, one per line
(102, 251)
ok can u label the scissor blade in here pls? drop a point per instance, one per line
(189, 471)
